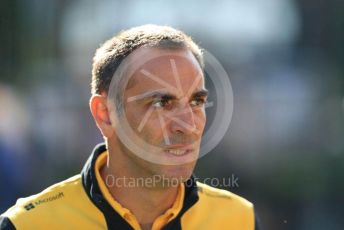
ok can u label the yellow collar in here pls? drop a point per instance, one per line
(159, 222)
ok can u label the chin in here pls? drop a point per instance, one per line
(177, 173)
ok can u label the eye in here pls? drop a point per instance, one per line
(198, 102)
(162, 103)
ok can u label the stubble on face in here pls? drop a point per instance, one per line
(153, 132)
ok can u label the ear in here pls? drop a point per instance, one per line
(101, 115)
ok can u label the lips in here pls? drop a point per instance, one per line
(177, 152)
(180, 151)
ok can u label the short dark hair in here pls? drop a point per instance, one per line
(109, 56)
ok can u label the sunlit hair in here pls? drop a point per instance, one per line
(109, 56)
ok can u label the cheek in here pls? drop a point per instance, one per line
(146, 125)
(200, 120)
(134, 114)
(155, 126)
(151, 129)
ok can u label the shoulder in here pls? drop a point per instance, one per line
(47, 205)
(219, 196)
(216, 208)
(45, 197)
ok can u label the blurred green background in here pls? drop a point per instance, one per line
(285, 60)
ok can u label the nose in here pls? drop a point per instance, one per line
(183, 120)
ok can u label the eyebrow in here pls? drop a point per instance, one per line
(165, 95)
(200, 93)
(147, 95)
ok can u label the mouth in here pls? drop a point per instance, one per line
(178, 152)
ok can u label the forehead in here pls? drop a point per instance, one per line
(157, 68)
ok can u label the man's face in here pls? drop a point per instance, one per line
(164, 105)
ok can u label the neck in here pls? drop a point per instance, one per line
(145, 202)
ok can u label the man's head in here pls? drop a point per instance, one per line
(163, 101)
(110, 55)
